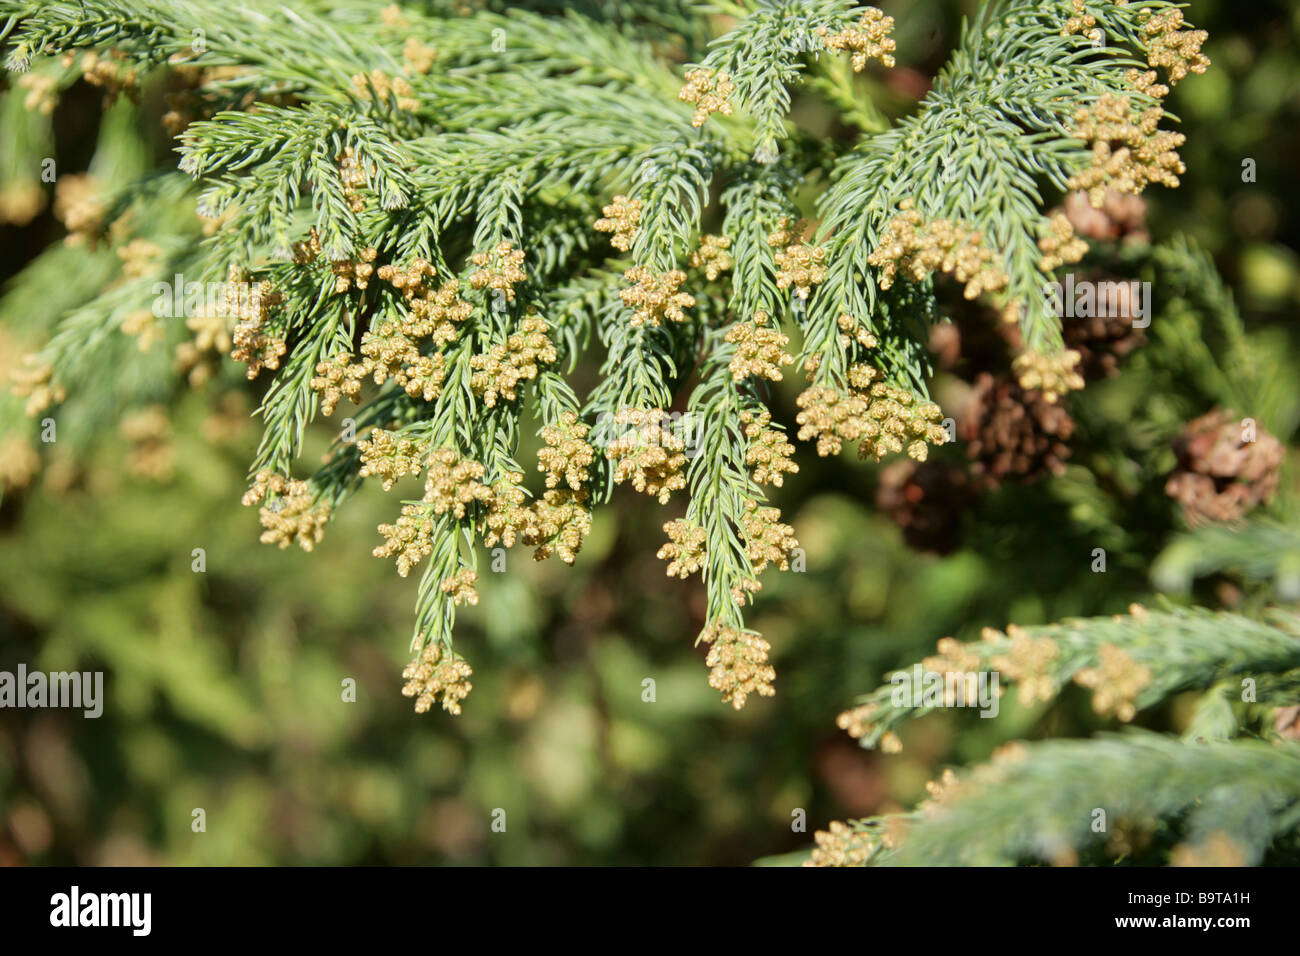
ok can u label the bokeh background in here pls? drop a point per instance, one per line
(224, 688)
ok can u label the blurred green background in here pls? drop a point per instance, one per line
(225, 688)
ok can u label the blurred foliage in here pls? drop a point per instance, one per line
(226, 687)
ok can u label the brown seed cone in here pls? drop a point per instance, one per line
(926, 500)
(1122, 217)
(1013, 434)
(1103, 341)
(976, 340)
(1286, 721)
(1221, 476)
(946, 341)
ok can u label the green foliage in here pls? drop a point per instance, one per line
(307, 166)
(1041, 805)
(328, 128)
(1176, 650)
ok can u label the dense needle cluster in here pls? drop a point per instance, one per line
(799, 265)
(1115, 682)
(436, 675)
(1177, 50)
(684, 551)
(292, 514)
(622, 218)
(567, 457)
(709, 92)
(758, 349)
(648, 453)
(868, 40)
(1051, 374)
(918, 249)
(444, 276)
(841, 845)
(712, 256)
(499, 371)
(389, 456)
(655, 297)
(884, 418)
(767, 539)
(500, 268)
(769, 453)
(1129, 150)
(1060, 245)
(738, 664)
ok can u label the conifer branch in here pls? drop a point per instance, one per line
(1040, 803)
(1130, 662)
